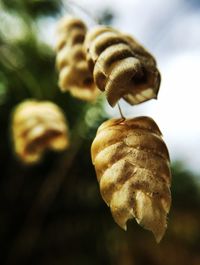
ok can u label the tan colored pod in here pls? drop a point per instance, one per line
(121, 66)
(37, 127)
(69, 30)
(132, 166)
(74, 75)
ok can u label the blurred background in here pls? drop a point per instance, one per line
(52, 213)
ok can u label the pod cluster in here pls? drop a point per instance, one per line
(36, 128)
(129, 155)
(132, 167)
(74, 74)
(107, 59)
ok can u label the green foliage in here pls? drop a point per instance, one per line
(184, 183)
(34, 8)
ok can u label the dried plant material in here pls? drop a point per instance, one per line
(121, 66)
(37, 127)
(74, 75)
(132, 167)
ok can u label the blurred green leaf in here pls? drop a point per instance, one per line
(34, 8)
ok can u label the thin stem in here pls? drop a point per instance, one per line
(120, 111)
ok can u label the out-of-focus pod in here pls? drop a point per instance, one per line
(121, 66)
(36, 128)
(132, 166)
(74, 75)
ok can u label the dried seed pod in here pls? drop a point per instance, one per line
(70, 31)
(74, 74)
(121, 66)
(37, 127)
(132, 166)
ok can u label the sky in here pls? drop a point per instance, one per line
(170, 29)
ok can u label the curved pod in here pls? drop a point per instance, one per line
(74, 74)
(36, 128)
(121, 66)
(132, 166)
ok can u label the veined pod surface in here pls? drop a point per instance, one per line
(121, 66)
(37, 127)
(132, 166)
(74, 75)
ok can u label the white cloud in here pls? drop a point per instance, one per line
(177, 109)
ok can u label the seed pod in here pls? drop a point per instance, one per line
(37, 127)
(71, 63)
(121, 66)
(132, 166)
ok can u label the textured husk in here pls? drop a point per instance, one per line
(132, 166)
(121, 66)
(74, 74)
(37, 127)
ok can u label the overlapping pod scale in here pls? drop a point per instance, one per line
(37, 127)
(74, 75)
(132, 166)
(121, 66)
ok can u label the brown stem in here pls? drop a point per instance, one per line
(120, 111)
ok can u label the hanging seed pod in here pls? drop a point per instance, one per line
(132, 166)
(74, 75)
(121, 66)
(37, 127)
